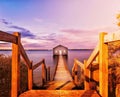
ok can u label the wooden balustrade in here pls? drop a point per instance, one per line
(96, 67)
(45, 71)
(17, 50)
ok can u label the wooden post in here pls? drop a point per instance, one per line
(87, 76)
(48, 73)
(73, 73)
(43, 73)
(30, 77)
(103, 67)
(76, 74)
(15, 84)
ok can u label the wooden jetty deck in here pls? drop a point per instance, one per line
(62, 79)
(62, 72)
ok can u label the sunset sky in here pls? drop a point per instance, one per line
(43, 24)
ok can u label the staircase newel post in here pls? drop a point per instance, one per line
(15, 73)
(103, 66)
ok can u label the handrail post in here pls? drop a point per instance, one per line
(73, 73)
(15, 84)
(30, 77)
(48, 73)
(76, 74)
(43, 73)
(87, 76)
(103, 67)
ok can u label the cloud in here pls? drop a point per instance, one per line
(75, 31)
(49, 37)
(4, 21)
(34, 46)
(24, 32)
(39, 20)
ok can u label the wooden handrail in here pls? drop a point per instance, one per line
(80, 64)
(93, 56)
(37, 64)
(77, 63)
(75, 70)
(24, 56)
(8, 37)
(112, 37)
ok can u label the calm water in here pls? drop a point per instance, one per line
(37, 56)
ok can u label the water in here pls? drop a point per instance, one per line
(37, 56)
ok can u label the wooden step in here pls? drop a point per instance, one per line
(60, 93)
(56, 85)
(68, 86)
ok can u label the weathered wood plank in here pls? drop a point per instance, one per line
(24, 56)
(8, 37)
(38, 64)
(93, 56)
(112, 37)
(15, 85)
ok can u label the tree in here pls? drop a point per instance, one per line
(118, 18)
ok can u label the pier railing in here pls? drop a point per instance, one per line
(17, 50)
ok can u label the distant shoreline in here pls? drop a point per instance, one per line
(49, 50)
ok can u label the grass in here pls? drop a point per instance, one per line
(5, 76)
(114, 67)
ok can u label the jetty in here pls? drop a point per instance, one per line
(63, 84)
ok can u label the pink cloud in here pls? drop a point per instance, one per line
(71, 31)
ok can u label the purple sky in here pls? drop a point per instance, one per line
(44, 24)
